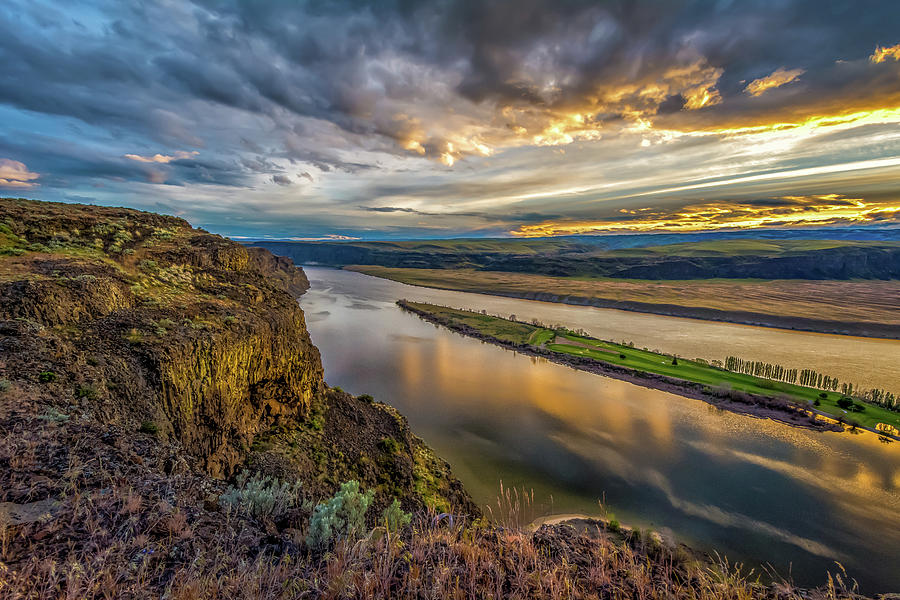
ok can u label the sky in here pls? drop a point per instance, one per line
(406, 119)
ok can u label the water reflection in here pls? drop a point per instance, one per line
(749, 487)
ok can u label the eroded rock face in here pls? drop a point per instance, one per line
(152, 322)
(279, 268)
(873, 261)
(135, 321)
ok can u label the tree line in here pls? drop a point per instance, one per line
(811, 378)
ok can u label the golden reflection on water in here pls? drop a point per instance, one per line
(737, 483)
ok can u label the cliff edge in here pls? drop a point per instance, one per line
(119, 319)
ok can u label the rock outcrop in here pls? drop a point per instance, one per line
(141, 322)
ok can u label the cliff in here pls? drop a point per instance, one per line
(138, 321)
(561, 258)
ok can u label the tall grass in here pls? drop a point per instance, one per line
(432, 558)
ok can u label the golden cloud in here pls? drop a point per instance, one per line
(883, 53)
(557, 121)
(162, 158)
(664, 103)
(778, 78)
(14, 174)
(825, 209)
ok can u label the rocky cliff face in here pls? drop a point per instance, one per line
(871, 261)
(139, 321)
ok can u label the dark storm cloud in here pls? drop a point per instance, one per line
(247, 94)
(332, 61)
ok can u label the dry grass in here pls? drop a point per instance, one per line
(433, 559)
(872, 301)
(108, 539)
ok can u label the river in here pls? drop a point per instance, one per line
(753, 489)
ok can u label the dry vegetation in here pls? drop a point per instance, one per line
(869, 301)
(119, 526)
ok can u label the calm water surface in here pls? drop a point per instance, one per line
(748, 487)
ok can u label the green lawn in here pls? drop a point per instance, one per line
(652, 362)
(503, 329)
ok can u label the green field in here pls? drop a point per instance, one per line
(565, 342)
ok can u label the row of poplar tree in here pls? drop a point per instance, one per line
(810, 378)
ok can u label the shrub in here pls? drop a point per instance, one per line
(622, 356)
(394, 517)
(86, 391)
(47, 377)
(823, 395)
(613, 525)
(4, 385)
(262, 496)
(341, 517)
(55, 415)
(845, 403)
(366, 398)
(149, 427)
(816, 402)
(389, 445)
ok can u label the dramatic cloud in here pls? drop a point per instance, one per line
(883, 54)
(14, 174)
(394, 118)
(787, 211)
(159, 158)
(781, 76)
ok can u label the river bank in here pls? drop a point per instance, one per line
(777, 408)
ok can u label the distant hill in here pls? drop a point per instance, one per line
(651, 256)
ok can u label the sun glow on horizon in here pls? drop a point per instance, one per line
(826, 209)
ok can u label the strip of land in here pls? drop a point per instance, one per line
(738, 392)
(867, 308)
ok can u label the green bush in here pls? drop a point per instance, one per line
(262, 496)
(86, 391)
(389, 445)
(394, 518)
(47, 377)
(366, 398)
(149, 427)
(341, 517)
(5, 385)
(55, 415)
